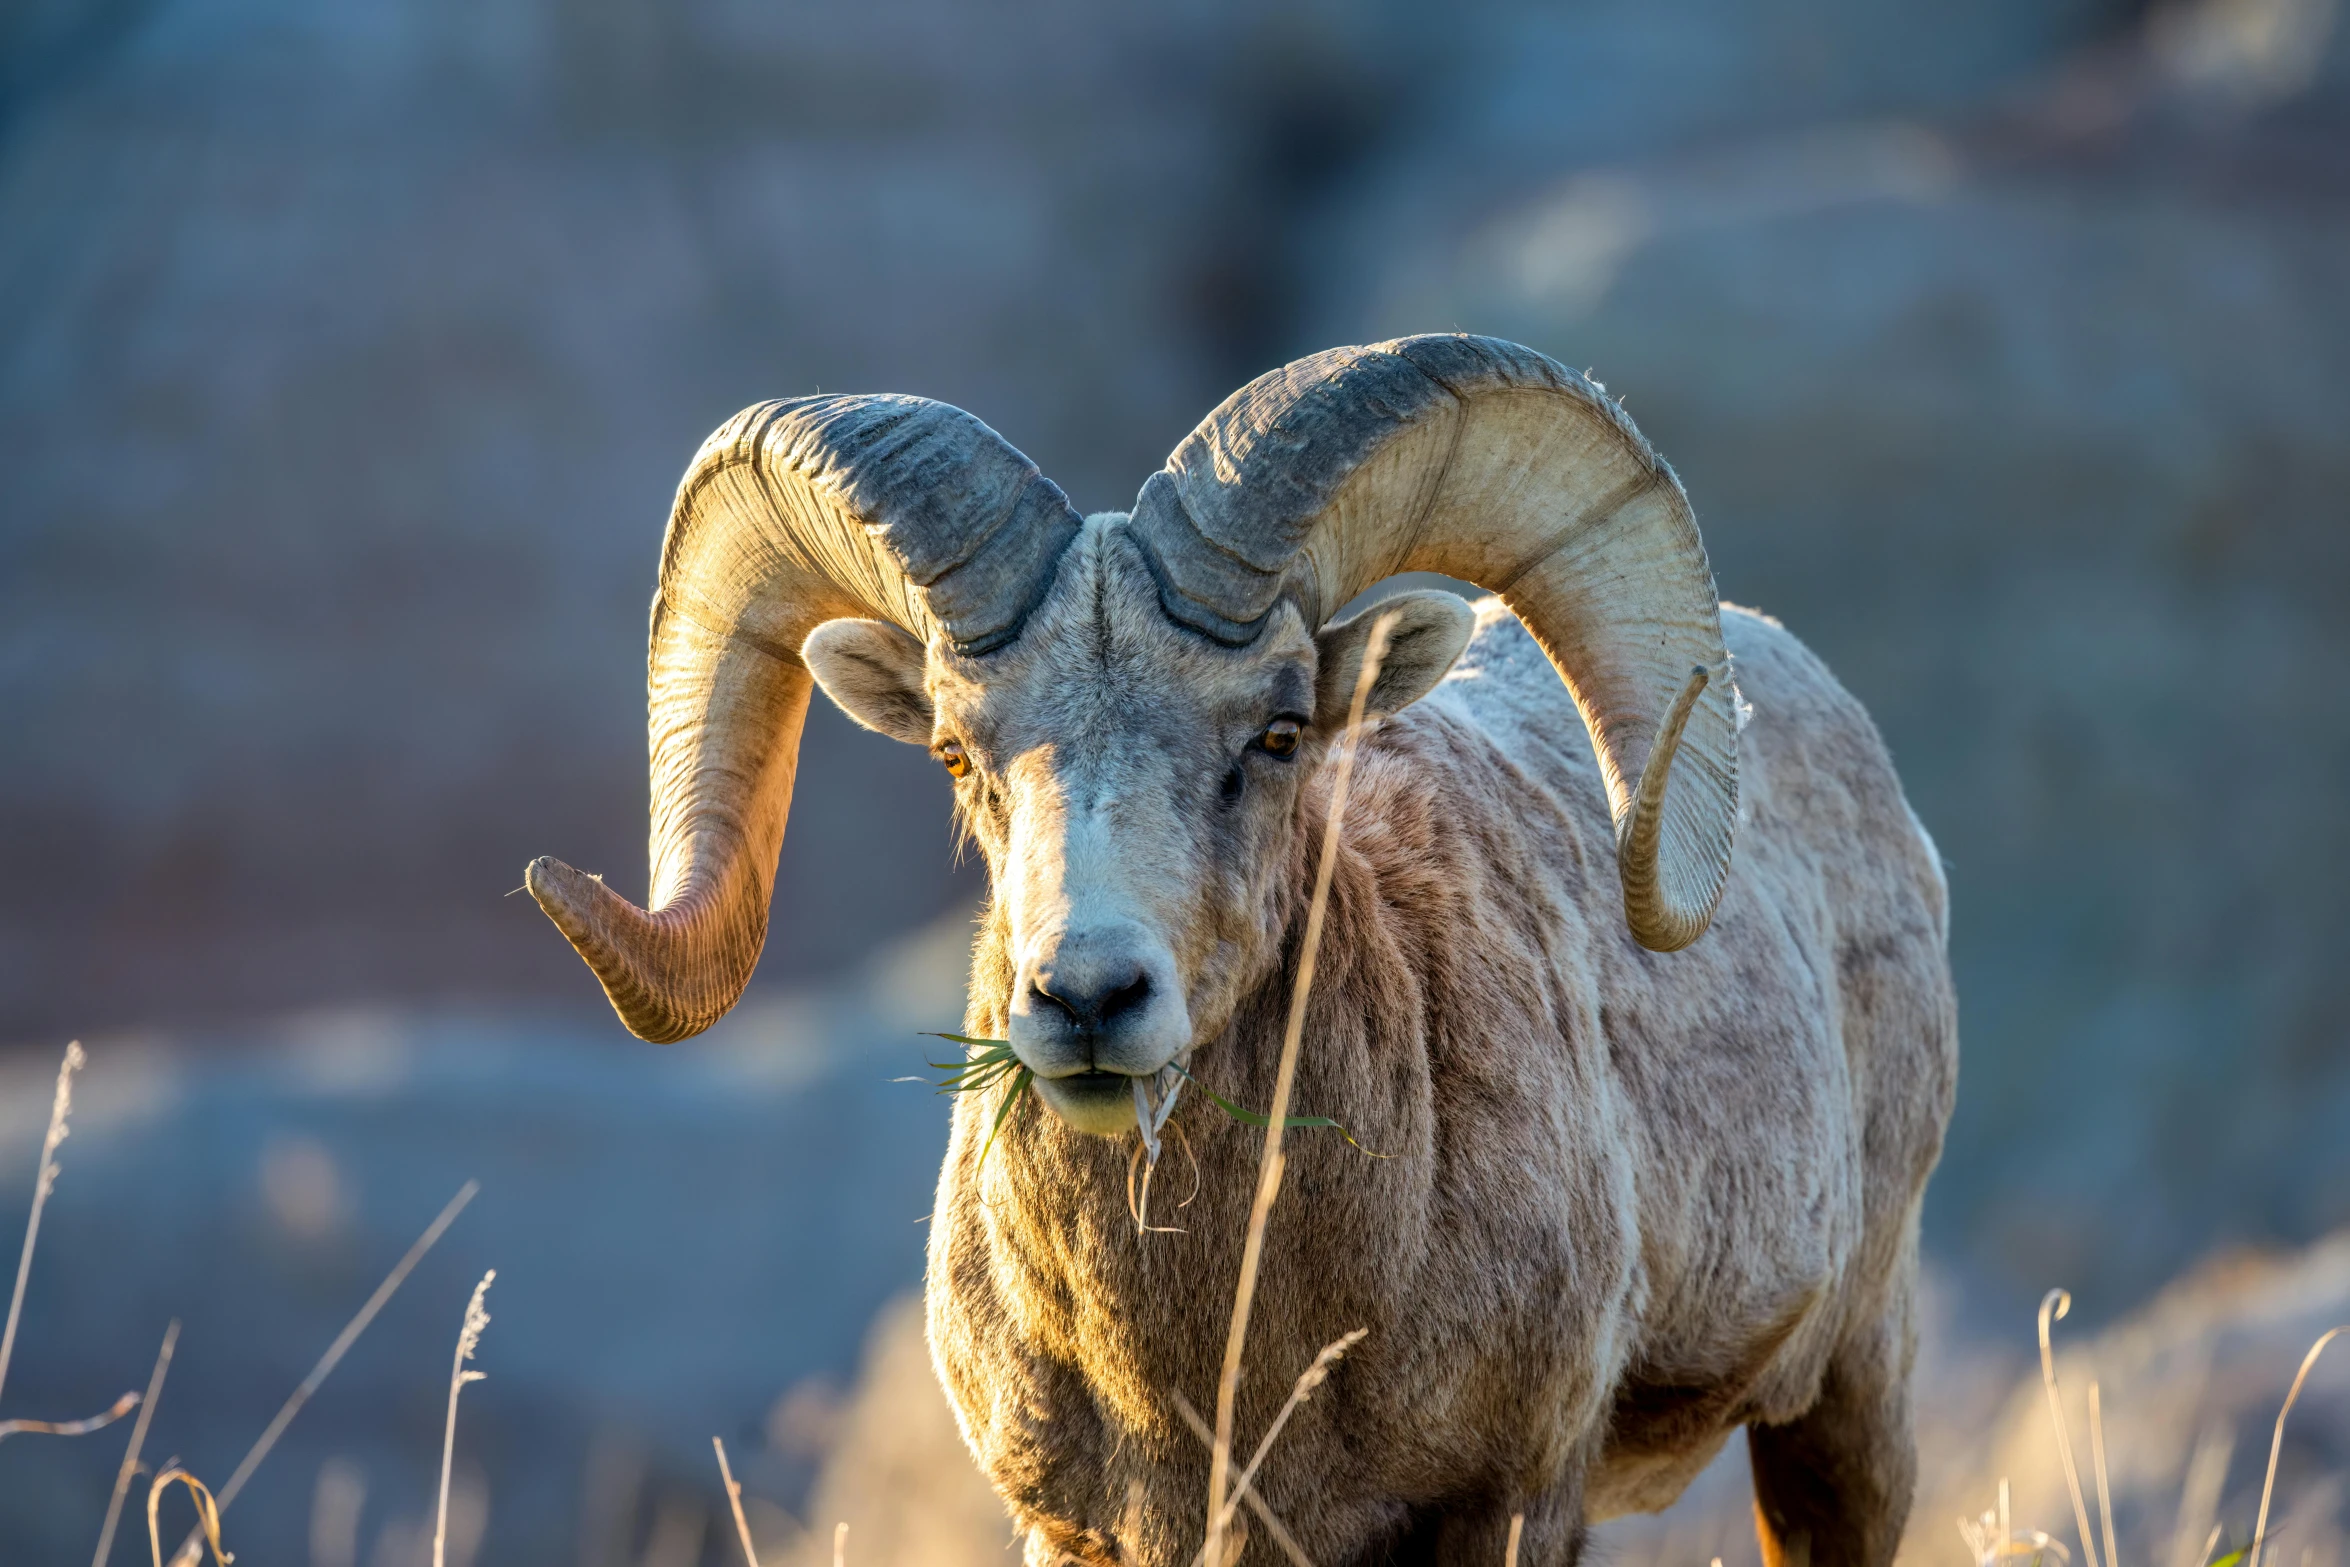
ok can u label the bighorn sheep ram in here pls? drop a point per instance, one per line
(1637, 1189)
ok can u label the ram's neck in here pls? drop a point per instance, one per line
(1060, 1248)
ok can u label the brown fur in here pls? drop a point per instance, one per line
(1623, 1203)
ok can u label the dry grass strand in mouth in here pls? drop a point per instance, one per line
(1154, 1102)
(130, 1457)
(1269, 1171)
(1140, 1206)
(1138, 1203)
(44, 1179)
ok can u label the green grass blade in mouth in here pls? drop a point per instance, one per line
(992, 1046)
(1012, 1099)
(995, 1062)
(973, 1074)
(1249, 1117)
(977, 1074)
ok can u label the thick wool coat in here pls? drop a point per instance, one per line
(1615, 1204)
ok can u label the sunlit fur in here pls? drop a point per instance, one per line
(1618, 1203)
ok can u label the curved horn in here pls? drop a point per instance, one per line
(1485, 461)
(792, 514)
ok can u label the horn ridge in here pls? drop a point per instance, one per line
(1187, 611)
(1482, 460)
(792, 513)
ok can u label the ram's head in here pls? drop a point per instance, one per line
(1130, 703)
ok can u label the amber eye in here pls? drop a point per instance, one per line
(1281, 736)
(956, 761)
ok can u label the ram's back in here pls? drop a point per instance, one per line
(1773, 1097)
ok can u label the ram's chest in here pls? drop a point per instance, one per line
(1481, 1234)
(1076, 1253)
(1073, 1342)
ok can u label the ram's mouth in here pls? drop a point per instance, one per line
(1099, 1102)
(1089, 1086)
(1111, 1104)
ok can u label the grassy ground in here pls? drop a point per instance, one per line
(2189, 1388)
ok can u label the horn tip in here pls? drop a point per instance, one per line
(1670, 936)
(587, 911)
(551, 882)
(571, 898)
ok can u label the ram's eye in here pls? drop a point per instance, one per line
(957, 761)
(1281, 737)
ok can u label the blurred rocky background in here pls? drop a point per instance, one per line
(348, 356)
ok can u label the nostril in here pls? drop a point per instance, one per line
(1126, 997)
(1089, 1007)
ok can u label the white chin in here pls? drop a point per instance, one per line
(1098, 1102)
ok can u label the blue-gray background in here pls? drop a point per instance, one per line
(348, 355)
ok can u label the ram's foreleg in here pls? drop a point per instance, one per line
(1478, 1531)
(1832, 1488)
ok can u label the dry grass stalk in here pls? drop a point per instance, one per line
(83, 1427)
(188, 1551)
(2276, 1443)
(338, 1499)
(1992, 1544)
(840, 1545)
(734, 1499)
(2104, 1491)
(1277, 1531)
(1518, 1530)
(44, 1179)
(130, 1457)
(207, 1514)
(468, 1340)
(2053, 1306)
(1309, 1379)
(1992, 1539)
(2207, 1472)
(1269, 1172)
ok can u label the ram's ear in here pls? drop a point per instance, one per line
(1429, 631)
(873, 672)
